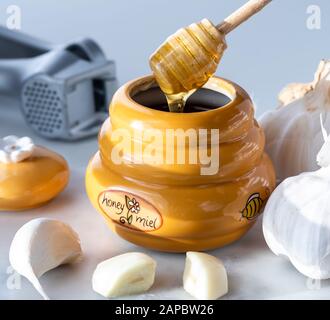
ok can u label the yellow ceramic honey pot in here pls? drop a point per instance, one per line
(30, 175)
(173, 206)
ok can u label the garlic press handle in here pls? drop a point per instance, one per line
(16, 49)
(15, 44)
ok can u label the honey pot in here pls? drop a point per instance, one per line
(156, 198)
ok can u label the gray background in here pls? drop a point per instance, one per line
(266, 53)
(269, 51)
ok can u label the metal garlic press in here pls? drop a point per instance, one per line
(63, 90)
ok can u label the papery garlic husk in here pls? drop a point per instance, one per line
(293, 136)
(41, 245)
(296, 219)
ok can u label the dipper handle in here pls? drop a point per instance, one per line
(241, 15)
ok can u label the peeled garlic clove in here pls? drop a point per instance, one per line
(205, 276)
(41, 245)
(126, 274)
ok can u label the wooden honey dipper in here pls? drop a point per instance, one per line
(188, 58)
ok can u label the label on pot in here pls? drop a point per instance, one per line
(129, 210)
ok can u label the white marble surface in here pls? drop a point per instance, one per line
(254, 272)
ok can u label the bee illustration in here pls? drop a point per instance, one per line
(252, 207)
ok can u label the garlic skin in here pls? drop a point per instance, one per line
(292, 92)
(296, 220)
(126, 274)
(292, 131)
(41, 245)
(204, 276)
(14, 149)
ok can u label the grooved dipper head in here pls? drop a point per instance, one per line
(188, 58)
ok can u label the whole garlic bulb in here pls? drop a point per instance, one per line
(292, 131)
(296, 219)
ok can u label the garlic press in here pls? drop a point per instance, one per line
(63, 90)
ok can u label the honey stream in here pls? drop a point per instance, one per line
(177, 102)
(186, 61)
